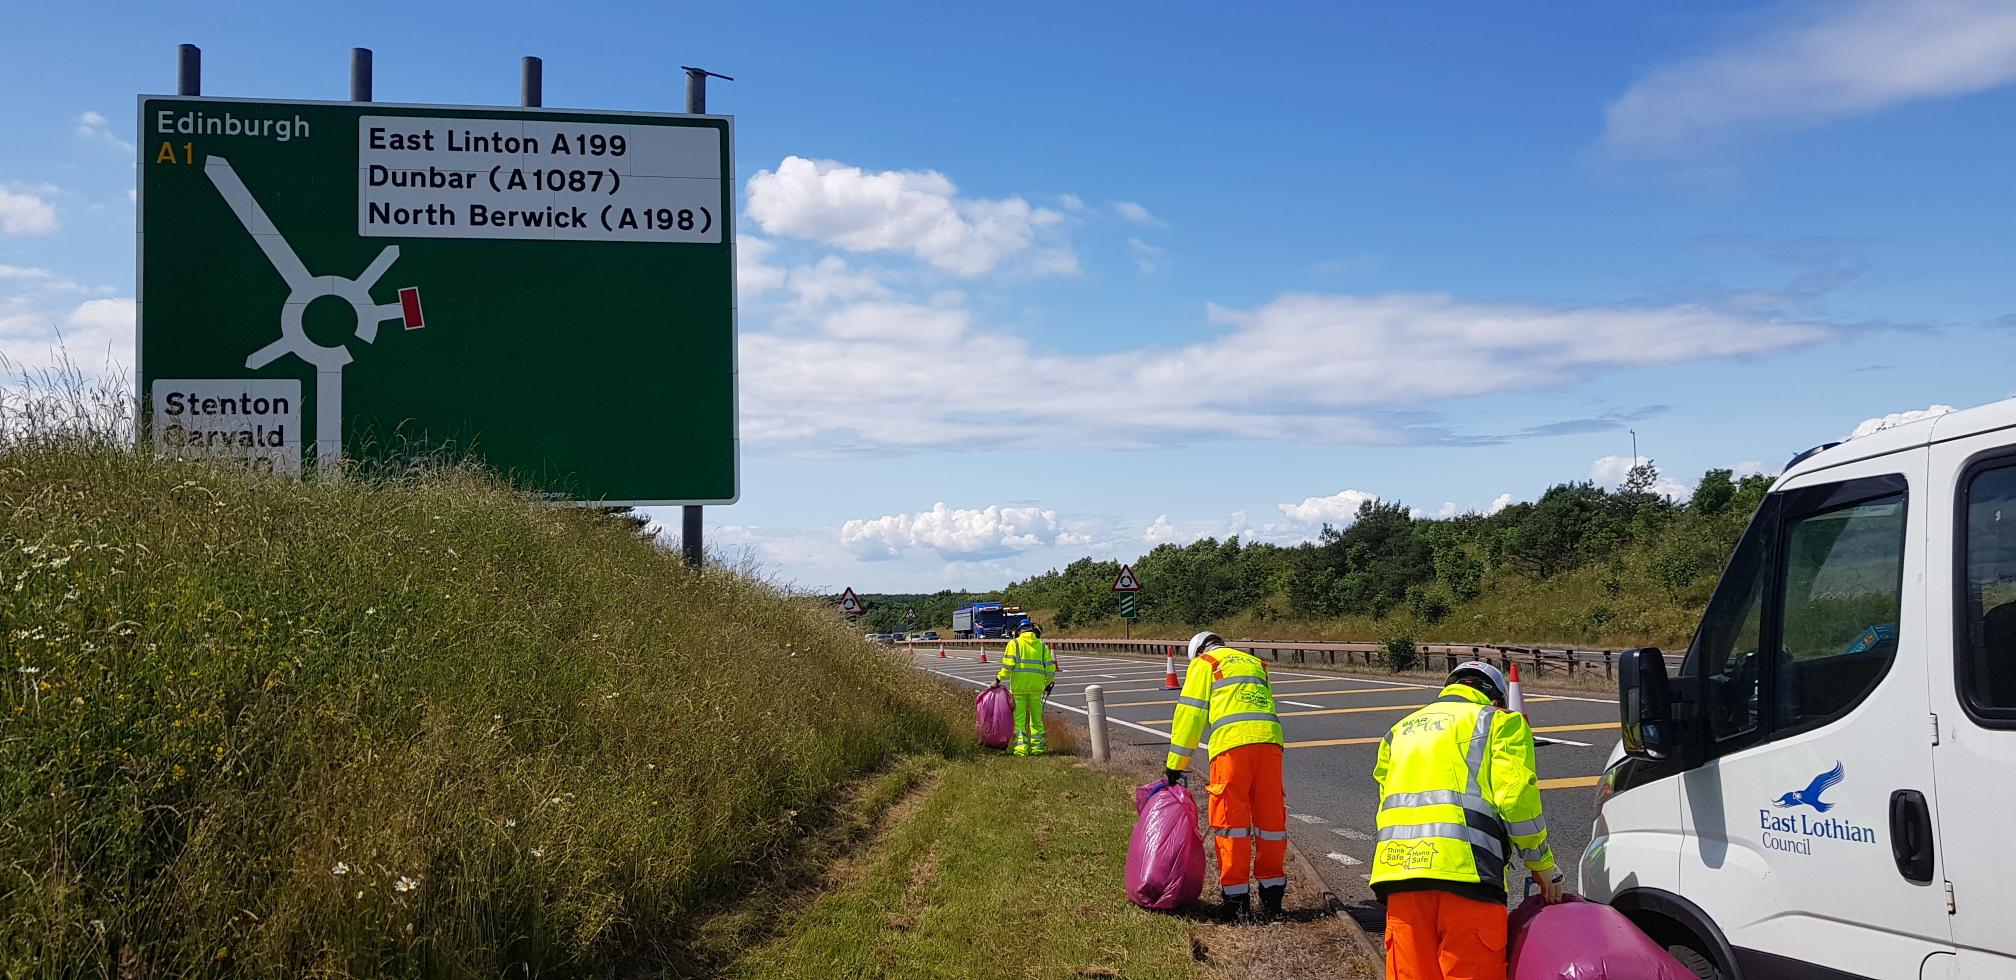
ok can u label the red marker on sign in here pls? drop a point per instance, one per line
(409, 307)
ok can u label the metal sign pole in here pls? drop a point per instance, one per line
(691, 528)
(360, 74)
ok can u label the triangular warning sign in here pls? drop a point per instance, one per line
(850, 604)
(1126, 582)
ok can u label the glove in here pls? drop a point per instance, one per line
(1551, 886)
(1172, 776)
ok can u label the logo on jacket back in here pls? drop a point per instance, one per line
(1810, 796)
(1794, 833)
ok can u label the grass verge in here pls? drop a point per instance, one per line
(1006, 867)
(410, 726)
(1001, 867)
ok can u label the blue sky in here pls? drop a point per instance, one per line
(1023, 284)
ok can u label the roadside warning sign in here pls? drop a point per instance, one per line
(850, 604)
(1126, 582)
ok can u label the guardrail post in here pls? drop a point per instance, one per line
(1095, 720)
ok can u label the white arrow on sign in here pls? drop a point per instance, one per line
(850, 604)
(1126, 582)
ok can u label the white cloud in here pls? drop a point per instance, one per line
(1338, 509)
(957, 534)
(753, 275)
(1136, 213)
(1829, 61)
(1162, 532)
(1878, 424)
(96, 335)
(1609, 472)
(1499, 503)
(1147, 258)
(24, 212)
(93, 126)
(1333, 369)
(1071, 202)
(915, 211)
(22, 272)
(1752, 467)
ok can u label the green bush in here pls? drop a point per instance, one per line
(262, 728)
(1400, 654)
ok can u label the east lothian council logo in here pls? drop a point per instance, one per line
(1810, 796)
(1795, 832)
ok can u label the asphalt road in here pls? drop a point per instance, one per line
(1333, 723)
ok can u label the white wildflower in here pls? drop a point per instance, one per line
(405, 884)
(538, 852)
(340, 869)
(31, 670)
(510, 822)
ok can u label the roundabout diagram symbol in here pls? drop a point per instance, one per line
(304, 288)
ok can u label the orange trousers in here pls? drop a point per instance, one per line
(1247, 802)
(1440, 936)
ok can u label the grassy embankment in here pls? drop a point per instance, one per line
(415, 728)
(1598, 606)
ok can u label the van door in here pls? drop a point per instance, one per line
(1974, 694)
(1816, 712)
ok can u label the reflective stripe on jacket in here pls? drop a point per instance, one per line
(1027, 665)
(1458, 795)
(1227, 692)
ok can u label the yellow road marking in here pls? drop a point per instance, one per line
(1570, 782)
(1374, 740)
(1299, 694)
(1345, 711)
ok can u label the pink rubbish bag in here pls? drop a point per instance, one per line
(994, 715)
(1581, 940)
(1165, 860)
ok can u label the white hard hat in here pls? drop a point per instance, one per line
(1204, 641)
(1494, 680)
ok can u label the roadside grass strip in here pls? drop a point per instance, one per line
(1003, 867)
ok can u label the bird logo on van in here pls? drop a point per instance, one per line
(1810, 796)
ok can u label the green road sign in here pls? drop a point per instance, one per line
(1127, 605)
(550, 291)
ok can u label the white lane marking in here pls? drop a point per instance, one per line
(1057, 704)
(1306, 818)
(1560, 741)
(1349, 834)
(1423, 687)
(1299, 704)
(1344, 859)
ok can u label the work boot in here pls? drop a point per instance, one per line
(1270, 901)
(1039, 747)
(1237, 909)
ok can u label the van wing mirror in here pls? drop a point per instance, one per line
(1645, 702)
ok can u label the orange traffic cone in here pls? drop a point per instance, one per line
(941, 651)
(1170, 682)
(1514, 699)
(983, 656)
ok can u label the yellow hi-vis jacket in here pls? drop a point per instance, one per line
(1027, 665)
(1458, 796)
(1225, 690)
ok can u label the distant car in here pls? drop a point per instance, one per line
(898, 637)
(878, 638)
(929, 635)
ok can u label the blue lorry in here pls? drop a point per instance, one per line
(986, 621)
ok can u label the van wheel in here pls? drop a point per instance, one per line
(1702, 966)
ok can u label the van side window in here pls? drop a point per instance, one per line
(1842, 587)
(1725, 649)
(1987, 636)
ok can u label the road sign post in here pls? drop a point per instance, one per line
(1127, 585)
(424, 282)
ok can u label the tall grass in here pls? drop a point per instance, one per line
(417, 726)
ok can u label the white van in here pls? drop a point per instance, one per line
(1828, 788)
